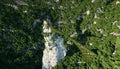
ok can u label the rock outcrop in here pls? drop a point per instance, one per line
(54, 48)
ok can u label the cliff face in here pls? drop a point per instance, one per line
(54, 48)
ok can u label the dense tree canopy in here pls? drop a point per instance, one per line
(96, 25)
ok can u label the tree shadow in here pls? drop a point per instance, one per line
(72, 50)
(82, 37)
(23, 38)
(107, 2)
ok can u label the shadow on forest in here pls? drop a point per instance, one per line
(108, 2)
(72, 50)
(82, 37)
(13, 19)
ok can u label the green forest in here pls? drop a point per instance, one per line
(92, 28)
